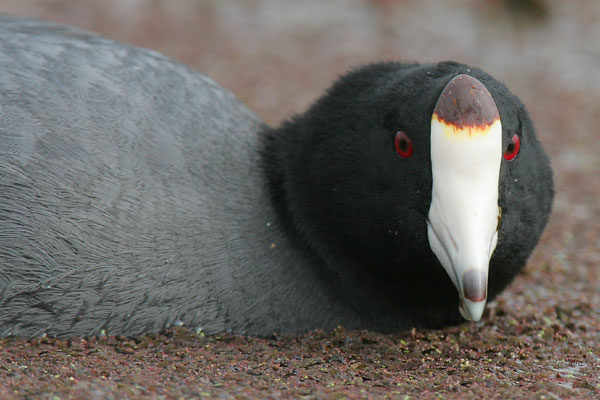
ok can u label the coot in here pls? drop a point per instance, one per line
(137, 194)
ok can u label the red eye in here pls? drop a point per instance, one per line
(403, 144)
(513, 148)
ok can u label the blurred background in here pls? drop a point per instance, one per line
(279, 55)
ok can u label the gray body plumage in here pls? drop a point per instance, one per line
(131, 198)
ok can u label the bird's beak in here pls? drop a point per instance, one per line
(463, 220)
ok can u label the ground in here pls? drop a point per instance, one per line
(539, 339)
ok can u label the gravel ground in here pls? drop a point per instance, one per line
(539, 339)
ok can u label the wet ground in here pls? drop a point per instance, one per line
(540, 339)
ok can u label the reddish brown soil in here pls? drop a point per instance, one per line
(540, 339)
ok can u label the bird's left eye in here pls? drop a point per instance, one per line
(513, 148)
(403, 145)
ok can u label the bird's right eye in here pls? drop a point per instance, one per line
(403, 145)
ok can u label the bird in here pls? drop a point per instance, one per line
(138, 195)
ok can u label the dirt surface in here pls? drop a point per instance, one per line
(540, 339)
